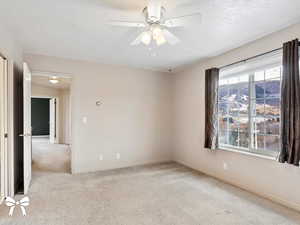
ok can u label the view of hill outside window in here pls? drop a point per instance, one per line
(249, 112)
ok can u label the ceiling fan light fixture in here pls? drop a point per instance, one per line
(53, 80)
(146, 38)
(156, 31)
(157, 25)
(160, 40)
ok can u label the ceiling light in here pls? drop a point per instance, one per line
(160, 40)
(146, 38)
(156, 31)
(156, 25)
(53, 80)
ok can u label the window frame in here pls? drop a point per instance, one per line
(250, 150)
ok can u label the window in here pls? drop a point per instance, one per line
(249, 109)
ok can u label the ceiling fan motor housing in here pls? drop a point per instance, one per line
(154, 19)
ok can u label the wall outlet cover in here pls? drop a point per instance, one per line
(225, 166)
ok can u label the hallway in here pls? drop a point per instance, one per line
(49, 158)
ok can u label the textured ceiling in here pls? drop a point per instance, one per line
(64, 83)
(77, 28)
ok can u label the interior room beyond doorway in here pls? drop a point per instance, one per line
(50, 110)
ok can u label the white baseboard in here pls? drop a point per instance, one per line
(120, 166)
(292, 205)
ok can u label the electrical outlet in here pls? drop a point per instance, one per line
(225, 166)
(118, 155)
(100, 157)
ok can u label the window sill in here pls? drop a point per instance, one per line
(273, 158)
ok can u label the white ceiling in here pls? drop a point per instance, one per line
(77, 28)
(42, 80)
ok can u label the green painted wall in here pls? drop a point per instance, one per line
(40, 116)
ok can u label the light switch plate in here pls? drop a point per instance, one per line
(84, 120)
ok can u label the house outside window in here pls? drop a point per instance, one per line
(249, 107)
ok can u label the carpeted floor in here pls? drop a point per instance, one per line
(48, 157)
(163, 194)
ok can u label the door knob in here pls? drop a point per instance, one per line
(24, 135)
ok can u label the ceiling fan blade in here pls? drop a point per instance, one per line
(154, 9)
(171, 38)
(182, 20)
(137, 41)
(126, 23)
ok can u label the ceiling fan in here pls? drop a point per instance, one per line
(156, 26)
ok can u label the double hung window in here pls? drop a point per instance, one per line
(249, 107)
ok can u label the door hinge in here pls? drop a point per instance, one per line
(6, 135)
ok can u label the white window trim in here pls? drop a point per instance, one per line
(250, 150)
(248, 153)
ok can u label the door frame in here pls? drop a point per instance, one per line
(9, 151)
(57, 125)
(27, 130)
(4, 166)
(53, 112)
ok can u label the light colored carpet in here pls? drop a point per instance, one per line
(48, 157)
(164, 194)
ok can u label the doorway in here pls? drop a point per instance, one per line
(50, 113)
(43, 118)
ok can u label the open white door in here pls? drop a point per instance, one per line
(27, 127)
(52, 122)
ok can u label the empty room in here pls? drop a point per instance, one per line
(50, 124)
(149, 112)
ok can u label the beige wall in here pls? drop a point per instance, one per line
(10, 48)
(63, 96)
(271, 179)
(65, 115)
(134, 118)
(42, 91)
